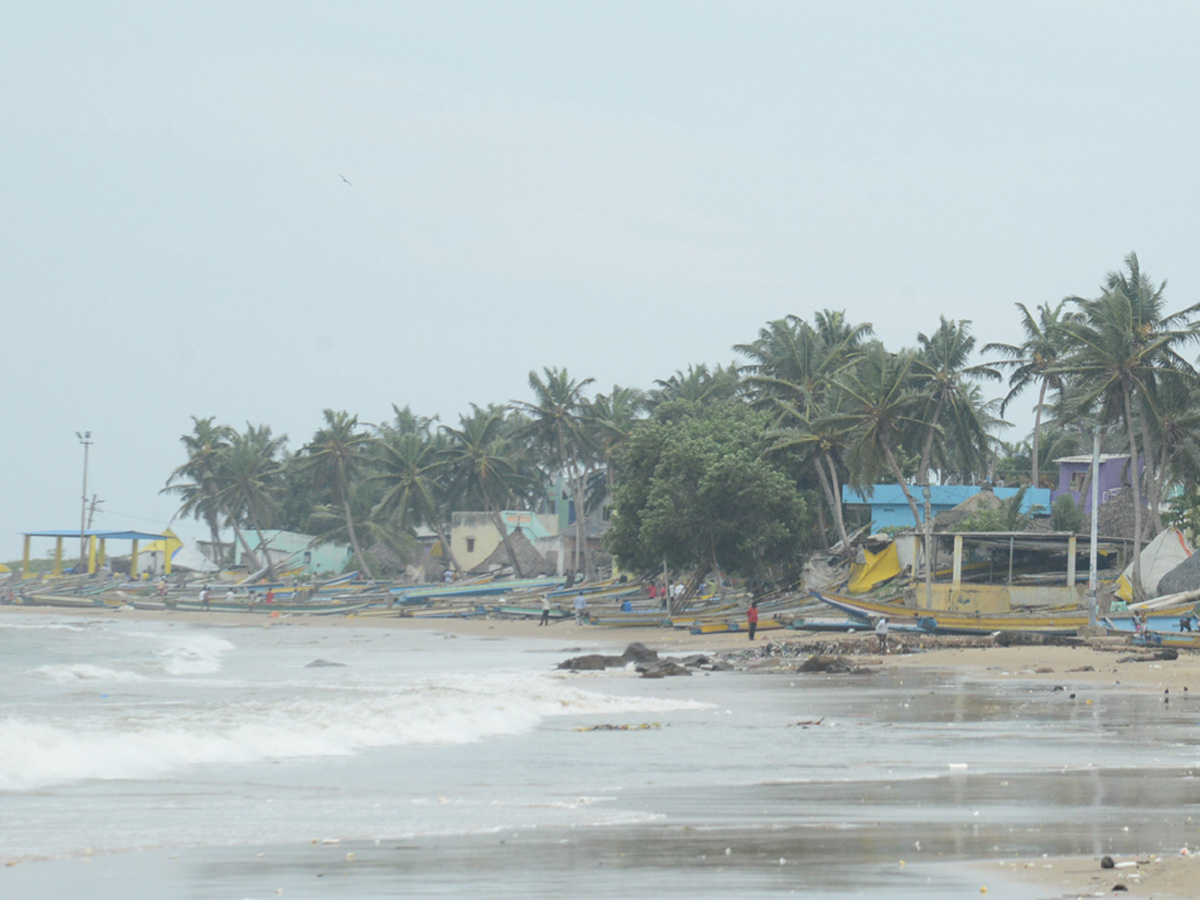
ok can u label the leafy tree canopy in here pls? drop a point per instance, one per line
(696, 487)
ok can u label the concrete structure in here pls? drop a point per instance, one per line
(889, 509)
(1073, 474)
(97, 544)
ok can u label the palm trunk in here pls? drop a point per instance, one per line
(358, 554)
(579, 489)
(830, 491)
(215, 534)
(894, 468)
(445, 542)
(1037, 428)
(1135, 482)
(1153, 474)
(262, 542)
(240, 538)
(499, 523)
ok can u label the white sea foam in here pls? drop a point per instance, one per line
(448, 710)
(76, 672)
(193, 653)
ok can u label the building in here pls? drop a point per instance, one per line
(889, 508)
(1073, 477)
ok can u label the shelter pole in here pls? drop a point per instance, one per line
(103, 553)
(1095, 528)
(167, 559)
(133, 561)
(25, 558)
(956, 578)
(91, 561)
(1010, 561)
(57, 556)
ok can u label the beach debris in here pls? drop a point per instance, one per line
(806, 723)
(641, 726)
(1167, 654)
(324, 664)
(1083, 669)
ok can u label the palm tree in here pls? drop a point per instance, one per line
(336, 455)
(698, 384)
(1033, 361)
(1122, 343)
(249, 477)
(942, 374)
(196, 481)
(795, 362)
(882, 408)
(482, 462)
(411, 466)
(609, 421)
(556, 424)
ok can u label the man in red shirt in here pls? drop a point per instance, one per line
(752, 618)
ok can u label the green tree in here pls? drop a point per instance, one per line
(250, 478)
(197, 481)
(483, 462)
(1121, 343)
(336, 456)
(1034, 361)
(557, 426)
(696, 488)
(412, 469)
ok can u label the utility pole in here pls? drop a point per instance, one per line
(1092, 615)
(86, 440)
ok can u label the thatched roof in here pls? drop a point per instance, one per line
(532, 562)
(985, 499)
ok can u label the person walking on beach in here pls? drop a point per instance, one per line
(679, 592)
(205, 596)
(881, 630)
(545, 611)
(580, 607)
(752, 618)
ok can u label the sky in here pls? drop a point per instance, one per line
(257, 210)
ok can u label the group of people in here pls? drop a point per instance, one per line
(666, 592)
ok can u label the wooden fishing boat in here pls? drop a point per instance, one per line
(1065, 621)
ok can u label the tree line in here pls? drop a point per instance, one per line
(737, 467)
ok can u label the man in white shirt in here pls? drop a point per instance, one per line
(580, 607)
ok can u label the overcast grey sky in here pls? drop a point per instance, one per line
(618, 188)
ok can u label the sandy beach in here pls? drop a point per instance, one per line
(1080, 671)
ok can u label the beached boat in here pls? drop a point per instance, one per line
(1067, 621)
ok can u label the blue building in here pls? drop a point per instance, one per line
(889, 509)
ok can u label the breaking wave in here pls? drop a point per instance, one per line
(447, 710)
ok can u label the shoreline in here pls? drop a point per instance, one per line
(1100, 665)
(1102, 662)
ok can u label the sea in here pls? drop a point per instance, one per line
(170, 760)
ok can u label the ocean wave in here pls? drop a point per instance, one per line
(192, 654)
(447, 710)
(70, 673)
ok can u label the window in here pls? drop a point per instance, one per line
(470, 545)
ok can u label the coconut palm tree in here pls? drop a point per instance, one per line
(411, 469)
(698, 384)
(557, 427)
(1122, 342)
(196, 481)
(882, 408)
(336, 456)
(250, 482)
(1033, 361)
(483, 462)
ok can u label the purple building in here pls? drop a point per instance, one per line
(1073, 477)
